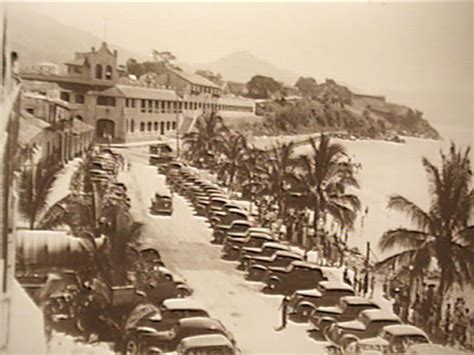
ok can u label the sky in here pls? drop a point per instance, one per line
(418, 54)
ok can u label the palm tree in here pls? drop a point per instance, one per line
(34, 187)
(202, 141)
(280, 167)
(445, 230)
(326, 178)
(232, 147)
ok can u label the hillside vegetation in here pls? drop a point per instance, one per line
(332, 107)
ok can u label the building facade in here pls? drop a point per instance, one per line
(131, 113)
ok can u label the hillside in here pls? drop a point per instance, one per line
(333, 107)
(39, 38)
(241, 66)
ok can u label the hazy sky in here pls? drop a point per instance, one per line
(400, 49)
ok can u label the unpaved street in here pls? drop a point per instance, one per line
(183, 241)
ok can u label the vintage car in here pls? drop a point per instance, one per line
(259, 265)
(299, 275)
(267, 249)
(367, 325)
(184, 328)
(162, 203)
(236, 227)
(163, 285)
(206, 344)
(147, 322)
(159, 159)
(392, 339)
(216, 204)
(254, 238)
(348, 309)
(330, 293)
(221, 229)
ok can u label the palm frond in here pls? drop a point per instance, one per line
(402, 238)
(414, 212)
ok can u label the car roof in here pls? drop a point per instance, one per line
(200, 322)
(404, 329)
(335, 285)
(241, 221)
(260, 230)
(378, 314)
(287, 253)
(218, 198)
(357, 300)
(306, 264)
(181, 303)
(238, 211)
(206, 340)
(276, 245)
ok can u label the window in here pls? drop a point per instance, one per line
(162, 106)
(126, 125)
(173, 125)
(79, 99)
(155, 126)
(127, 103)
(150, 106)
(142, 126)
(132, 102)
(168, 125)
(98, 71)
(132, 125)
(157, 106)
(169, 106)
(108, 72)
(149, 127)
(143, 106)
(105, 101)
(65, 96)
(30, 110)
(162, 127)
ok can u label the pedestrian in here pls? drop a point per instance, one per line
(283, 231)
(284, 309)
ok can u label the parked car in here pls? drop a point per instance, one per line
(392, 339)
(163, 285)
(184, 328)
(157, 159)
(259, 264)
(206, 344)
(237, 227)
(147, 322)
(299, 275)
(330, 293)
(221, 229)
(267, 249)
(255, 237)
(367, 325)
(348, 309)
(162, 203)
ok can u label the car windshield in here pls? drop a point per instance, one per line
(239, 228)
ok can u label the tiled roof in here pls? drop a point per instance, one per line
(30, 128)
(138, 92)
(79, 127)
(195, 79)
(77, 61)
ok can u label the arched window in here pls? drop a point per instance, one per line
(149, 126)
(168, 125)
(98, 71)
(108, 72)
(142, 126)
(155, 126)
(132, 125)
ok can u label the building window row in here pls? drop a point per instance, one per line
(149, 126)
(155, 106)
(105, 101)
(198, 89)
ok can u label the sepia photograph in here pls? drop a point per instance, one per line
(233, 178)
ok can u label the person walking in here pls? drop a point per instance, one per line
(284, 309)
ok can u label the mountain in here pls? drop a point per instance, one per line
(242, 65)
(40, 38)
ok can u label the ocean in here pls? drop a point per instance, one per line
(392, 168)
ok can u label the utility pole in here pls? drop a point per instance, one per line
(367, 257)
